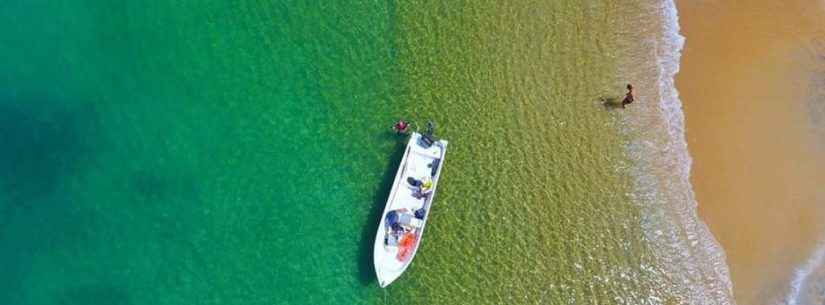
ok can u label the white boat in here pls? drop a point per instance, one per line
(408, 206)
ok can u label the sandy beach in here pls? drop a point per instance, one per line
(745, 82)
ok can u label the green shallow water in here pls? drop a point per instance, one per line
(200, 152)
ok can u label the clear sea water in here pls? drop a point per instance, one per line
(214, 152)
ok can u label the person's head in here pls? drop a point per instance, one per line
(629, 87)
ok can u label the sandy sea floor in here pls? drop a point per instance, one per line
(748, 71)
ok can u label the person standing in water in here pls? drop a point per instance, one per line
(401, 126)
(628, 98)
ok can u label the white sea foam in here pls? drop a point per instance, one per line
(803, 289)
(691, 259)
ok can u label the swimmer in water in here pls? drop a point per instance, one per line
(628, 98)
(401, 127)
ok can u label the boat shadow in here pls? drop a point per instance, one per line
(366, 270)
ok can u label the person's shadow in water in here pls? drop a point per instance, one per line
(366, 270)
(610, 102)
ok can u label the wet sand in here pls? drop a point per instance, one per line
(757, 174)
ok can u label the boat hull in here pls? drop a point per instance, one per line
(419, 163)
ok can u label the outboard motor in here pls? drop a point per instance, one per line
(430, 128)
(427, 138)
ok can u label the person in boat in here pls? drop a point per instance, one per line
(422, 187)
(401, 126)
(628, 98)
(393, 221)
(426, 186)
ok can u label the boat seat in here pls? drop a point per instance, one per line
(410, 221)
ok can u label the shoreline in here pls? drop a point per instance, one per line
(755, 167)
(685, 249)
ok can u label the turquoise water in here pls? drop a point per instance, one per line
(200, 152)
(192, 152)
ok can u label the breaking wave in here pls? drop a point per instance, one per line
(808, 283)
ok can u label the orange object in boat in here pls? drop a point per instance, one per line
(406, 246)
